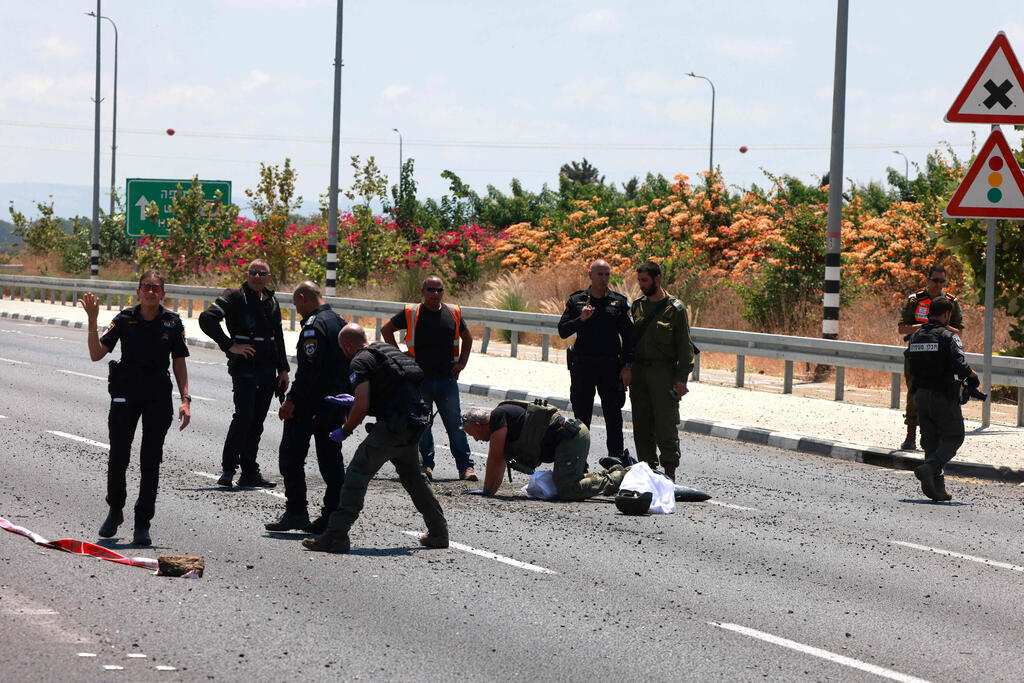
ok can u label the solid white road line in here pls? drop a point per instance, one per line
(11, 360)
(492, 556)
(950, 553)
(731, 506)
(82, 439)
(823, 654)
(276, 494)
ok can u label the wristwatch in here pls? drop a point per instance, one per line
(186, 397)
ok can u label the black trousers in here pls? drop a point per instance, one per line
(942, 424)
(253, 391)
(602, 377)
(294, 448)
(157, 414)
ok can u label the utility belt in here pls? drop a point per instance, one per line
(653, 362)
(573, 359)
(124, 378)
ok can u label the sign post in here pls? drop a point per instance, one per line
(993, 94)
(140, 192)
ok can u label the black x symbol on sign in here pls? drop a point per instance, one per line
(997, 94)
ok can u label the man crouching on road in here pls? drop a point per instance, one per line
(523, 435)
(386, 385)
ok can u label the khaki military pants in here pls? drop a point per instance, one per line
(655, 413)
(571, 480)
(379, 447)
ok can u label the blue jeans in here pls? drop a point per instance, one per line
(444, 393)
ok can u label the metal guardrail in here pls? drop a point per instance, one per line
(11, 267)
(1006, 370)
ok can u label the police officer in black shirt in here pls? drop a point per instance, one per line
(152, 338)
(257, 363)
(322, 370)
(935, 356)
(601, 358)
(386, 387)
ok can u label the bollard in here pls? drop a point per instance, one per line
(545, 347)
(190, 307)
(1020, 406)
(840, 383)
(486, 339)
(787, 379)
(741, 366)
(515, 342)
(894, 394)
(291, 322)
(376, 333)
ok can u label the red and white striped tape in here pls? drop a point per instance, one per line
(71, 545)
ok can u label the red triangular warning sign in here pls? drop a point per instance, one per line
(993, 186)
(995, 91)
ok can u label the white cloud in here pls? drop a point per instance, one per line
(394, 91)
(55, 46)
(656, 83)
(753, 48)
(582, 93)
(604, 20)
(47, 91)
(254, 80)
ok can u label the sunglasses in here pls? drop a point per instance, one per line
(937, 280)
(259, 273)
(156, 289)
(435, 290)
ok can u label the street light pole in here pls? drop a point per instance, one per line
(332, 202)
(906, 164)
(113, 144)
(711, 159)
(94, 254)
(401, 189)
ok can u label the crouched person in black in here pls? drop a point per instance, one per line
(257, 364)
(935, 359)
(322, 370)
(386, 385)
(139, 387)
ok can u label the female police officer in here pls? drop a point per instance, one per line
(139, 387)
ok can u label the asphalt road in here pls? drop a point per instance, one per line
(799, 568)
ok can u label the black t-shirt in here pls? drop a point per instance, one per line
(435, 339)
(147, 346)
(511, 416)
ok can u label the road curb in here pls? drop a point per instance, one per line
(868, 455)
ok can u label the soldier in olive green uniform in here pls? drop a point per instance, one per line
(663, 362)
(912, 318)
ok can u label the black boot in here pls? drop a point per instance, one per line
(940, 489)
(926, 475)
(290, 521)
(110, 524)
(319, 525)
(141, 535)
(910, 443)
(255, 480)
(328, 542)
(226, 478)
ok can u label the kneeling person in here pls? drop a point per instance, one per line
(523, 435)
(386, 385)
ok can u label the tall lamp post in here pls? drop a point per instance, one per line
(113, 144)
(906, 164)
(711, 159)
(401, 192)
(94, 252)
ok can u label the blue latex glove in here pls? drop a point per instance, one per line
(343, 400)
(337, 435)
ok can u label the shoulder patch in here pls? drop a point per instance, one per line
(309, 346)
(309, 332)
(310, 320)
(678, 305)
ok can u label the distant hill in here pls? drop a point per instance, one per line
(5, 233)
(68, 200)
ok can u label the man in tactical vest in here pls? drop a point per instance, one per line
(935, 357)
(913, 316)
(322, 371)
(434, 331)
(601, 358)
(257, 364)
(386, 383)
(663, 362)
(522, 435)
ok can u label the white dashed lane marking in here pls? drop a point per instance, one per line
(493, 556)
(81, 374)
(11, 360)
(80, 439)
(823, 654)
(731, 506)
(207, 475)
(960, 556)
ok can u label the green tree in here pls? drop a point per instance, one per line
(273, 202)
(370, 248)
(195, 231)
(45, 234)
(581, 173)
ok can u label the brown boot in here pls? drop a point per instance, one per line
(439, 540)
(328, 542)
(940, 489)
(910, 443)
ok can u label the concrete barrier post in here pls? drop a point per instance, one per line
(545, 347)
(486, 340)
(840, 382)
(695, 374)
(515, 342)
(741, 362)
(787, 380)
(894, 392)
(376, 334)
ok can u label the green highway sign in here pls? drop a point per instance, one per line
(143, 191)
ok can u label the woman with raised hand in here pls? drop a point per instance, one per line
(152, 340)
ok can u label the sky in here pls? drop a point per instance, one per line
(488, 90)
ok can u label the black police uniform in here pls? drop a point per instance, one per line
(140, 386)
(935, 357)
(257, 322)
(604, 343)
(402, 416)
(322, 370)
